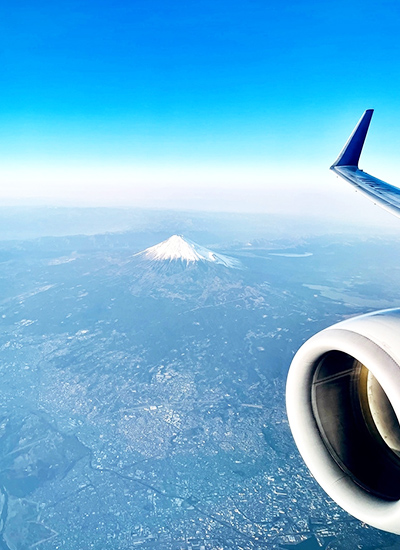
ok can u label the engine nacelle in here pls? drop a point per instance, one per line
(343, 404)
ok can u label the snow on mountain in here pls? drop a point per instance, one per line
(178, 248)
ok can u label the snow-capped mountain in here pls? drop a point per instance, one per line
(176, 248)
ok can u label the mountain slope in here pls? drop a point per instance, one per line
(176, 248)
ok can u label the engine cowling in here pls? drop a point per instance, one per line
(343, 405)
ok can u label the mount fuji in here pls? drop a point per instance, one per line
(178, 249)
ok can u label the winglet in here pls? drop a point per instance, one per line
(350, 154)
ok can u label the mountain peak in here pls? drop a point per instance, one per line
(174, 248)
(177, 248)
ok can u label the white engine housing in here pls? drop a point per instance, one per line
(343, 404)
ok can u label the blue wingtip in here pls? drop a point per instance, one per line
(350, 154)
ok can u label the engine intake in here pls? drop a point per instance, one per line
(343, 403)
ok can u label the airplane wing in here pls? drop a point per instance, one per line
(346, 166)
(343, 388)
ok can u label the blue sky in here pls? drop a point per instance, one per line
(153, 102)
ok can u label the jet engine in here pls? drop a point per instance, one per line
(343, 404)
